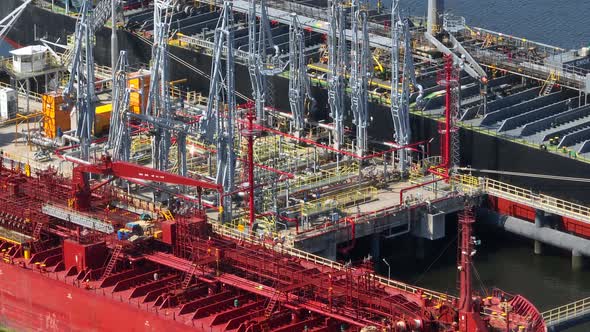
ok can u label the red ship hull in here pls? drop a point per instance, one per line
(31, 301)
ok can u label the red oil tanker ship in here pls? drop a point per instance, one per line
(65, 270)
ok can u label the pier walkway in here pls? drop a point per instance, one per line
(568, 315)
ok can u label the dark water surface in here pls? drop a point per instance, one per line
(564, 23)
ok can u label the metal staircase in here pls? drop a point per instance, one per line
(167, 215)
(270, 307)
(549, 83)
(188, 277)
(37, 236)
(112, 262)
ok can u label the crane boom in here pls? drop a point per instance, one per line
(81, 188)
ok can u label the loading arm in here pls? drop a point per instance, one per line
(7, 22)
(409, 63)
(467, 66)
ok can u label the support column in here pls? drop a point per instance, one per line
(539, 222)
(376, 246)
(330, 252)
(577, 261)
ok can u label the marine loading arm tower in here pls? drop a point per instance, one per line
(400, 97)
(218, 125)
(299, 89)
(159, 104)
(359, 74)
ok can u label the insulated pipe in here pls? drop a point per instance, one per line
(544, 234)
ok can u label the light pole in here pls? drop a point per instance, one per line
(388, 269)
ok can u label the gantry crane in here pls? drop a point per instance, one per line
(218, 124)
(359, 74)
(299, 89)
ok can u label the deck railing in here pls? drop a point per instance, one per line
(567, 312)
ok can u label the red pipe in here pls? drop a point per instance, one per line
(339, 151)
(250, 135)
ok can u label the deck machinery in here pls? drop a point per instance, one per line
(180, 265)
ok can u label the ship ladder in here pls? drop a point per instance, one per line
(269, 310)
(167, 215)
(37, 237)
(188, 277)
(549, 83)
(112, 262)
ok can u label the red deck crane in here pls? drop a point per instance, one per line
(82, 191)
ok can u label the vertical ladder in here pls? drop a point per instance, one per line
(112, 262)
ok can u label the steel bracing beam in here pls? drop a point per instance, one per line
(218, 124)
(299, 89)
(159, 104)
(337, 69)
(359, 74)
